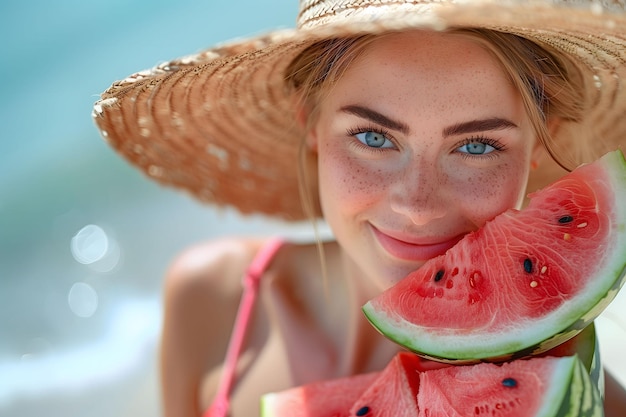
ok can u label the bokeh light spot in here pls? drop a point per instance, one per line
(83, 299)
(90, 244)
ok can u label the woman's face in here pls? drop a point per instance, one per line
(421, 141)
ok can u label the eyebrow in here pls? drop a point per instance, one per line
(472, 126)
(482, 125)
(376, 117)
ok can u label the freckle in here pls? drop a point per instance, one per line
(567, 236)
(533, 284)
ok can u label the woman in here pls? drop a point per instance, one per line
(410, 133)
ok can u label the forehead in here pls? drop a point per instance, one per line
(429, 50)
(418, 66)
(431, 53)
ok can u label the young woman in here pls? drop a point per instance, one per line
(405, 132)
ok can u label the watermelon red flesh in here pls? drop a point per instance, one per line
(335, 397)
(332, 398)
(394, 392)
(526, 387)
(527, 281)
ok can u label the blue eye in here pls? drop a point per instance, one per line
(374, 139)
(477, 147)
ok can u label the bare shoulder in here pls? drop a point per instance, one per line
(213, 267)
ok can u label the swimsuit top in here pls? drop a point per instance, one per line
(221, 403)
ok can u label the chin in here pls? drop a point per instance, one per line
(397, 273)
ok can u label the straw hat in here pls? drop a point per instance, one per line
(220, 123)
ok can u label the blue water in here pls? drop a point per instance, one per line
(84, 239)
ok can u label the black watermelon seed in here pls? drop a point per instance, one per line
(363, 411)
(509, 382)
(566, 219)
(528, 265)
(439, 275)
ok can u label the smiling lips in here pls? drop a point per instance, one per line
(413, 251)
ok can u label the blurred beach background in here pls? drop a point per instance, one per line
(84, 238)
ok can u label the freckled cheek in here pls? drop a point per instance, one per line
(484, 195)
(348, 184)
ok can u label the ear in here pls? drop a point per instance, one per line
(311, 139)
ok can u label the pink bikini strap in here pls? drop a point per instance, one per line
(221, 403)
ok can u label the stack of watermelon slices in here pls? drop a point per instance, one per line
(511, 305)
(541, 386)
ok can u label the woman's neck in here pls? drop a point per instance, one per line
(319, 316)
(365, 348)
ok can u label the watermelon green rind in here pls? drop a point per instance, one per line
(571, 392)
(596, 371)
(569, 395)
(581, 397)
(540, 333)
(268, 404)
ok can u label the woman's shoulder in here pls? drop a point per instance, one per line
(213, 270)
(215, 265)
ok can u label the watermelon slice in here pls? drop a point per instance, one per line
(335, 397)
(546, 387)
(527, 281)
(331, 398)
(394, 392)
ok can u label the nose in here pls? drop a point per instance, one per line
(419, 192)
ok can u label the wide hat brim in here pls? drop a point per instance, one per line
(221, 124)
